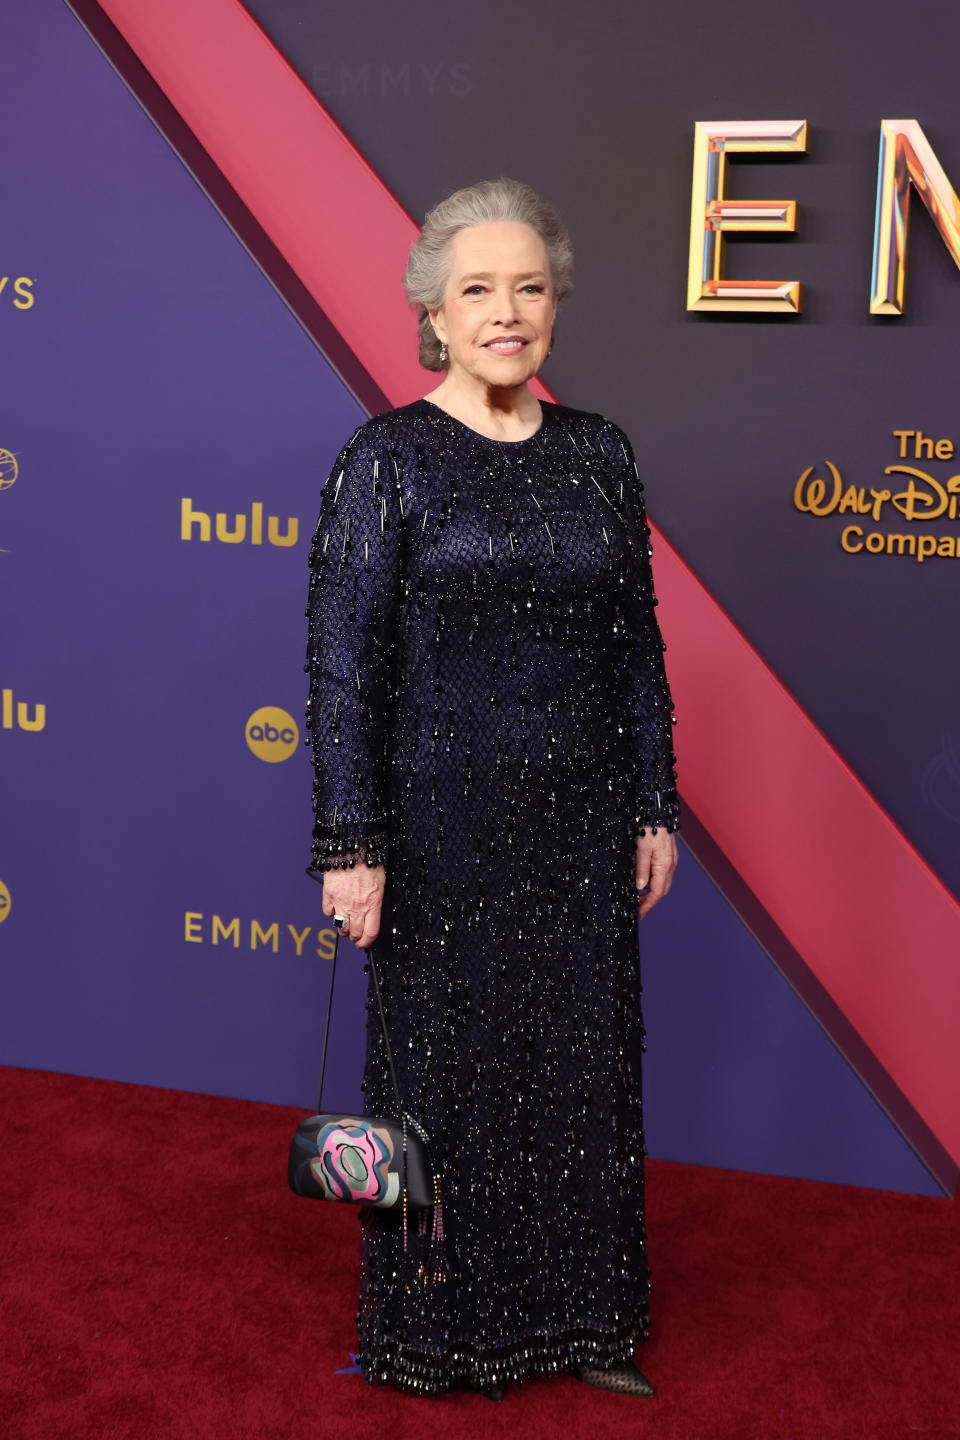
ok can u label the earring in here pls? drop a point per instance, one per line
(443, 352)
(551, 342)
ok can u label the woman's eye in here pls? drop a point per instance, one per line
(537, 289)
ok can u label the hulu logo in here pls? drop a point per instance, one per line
(196, 524)
(15, 714)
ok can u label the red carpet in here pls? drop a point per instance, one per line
(158, 1285)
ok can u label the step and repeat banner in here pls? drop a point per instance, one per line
(167, 426)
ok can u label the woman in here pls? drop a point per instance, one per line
(491, 724)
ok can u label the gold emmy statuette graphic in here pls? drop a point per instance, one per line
(4, 902)
(9, 470)
(272, 734)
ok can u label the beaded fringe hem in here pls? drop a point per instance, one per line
(431, 1374)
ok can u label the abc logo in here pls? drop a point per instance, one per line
(4, 902)
(272, 734)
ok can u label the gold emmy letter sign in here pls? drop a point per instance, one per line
(712, 215)
(906, 158)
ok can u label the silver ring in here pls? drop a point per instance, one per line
(341, 919)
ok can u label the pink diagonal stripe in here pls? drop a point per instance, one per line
(866, 912)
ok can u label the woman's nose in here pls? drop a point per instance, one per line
(504, 306)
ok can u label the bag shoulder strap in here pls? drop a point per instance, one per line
(383, 1022)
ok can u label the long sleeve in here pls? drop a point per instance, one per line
(352, 612)
(653, 784)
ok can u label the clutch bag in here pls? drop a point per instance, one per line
(379, 1160)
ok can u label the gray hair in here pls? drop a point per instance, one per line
(428, 265)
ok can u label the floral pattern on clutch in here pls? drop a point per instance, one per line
(353, 1162)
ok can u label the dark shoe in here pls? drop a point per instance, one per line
(493, 1389)
(625, 1379)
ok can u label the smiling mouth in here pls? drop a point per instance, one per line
(505, 347)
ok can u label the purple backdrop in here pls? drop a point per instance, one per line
(155, 363)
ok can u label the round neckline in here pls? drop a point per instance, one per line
(525, 440)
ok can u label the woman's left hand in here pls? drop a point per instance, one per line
(657, 858)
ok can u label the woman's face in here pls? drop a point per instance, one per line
(499, 307)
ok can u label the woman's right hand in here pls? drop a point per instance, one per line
(357, 892)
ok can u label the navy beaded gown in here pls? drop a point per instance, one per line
(491, 720)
